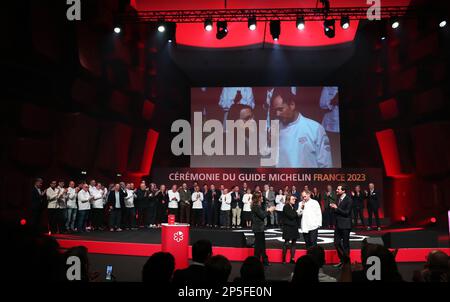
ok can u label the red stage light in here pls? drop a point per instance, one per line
(433, 219)
(23, 221)
(403, 218)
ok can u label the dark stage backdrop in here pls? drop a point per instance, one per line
(276, 177)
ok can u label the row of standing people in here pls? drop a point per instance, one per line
(88, 207)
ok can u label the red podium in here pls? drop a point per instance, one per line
(175, 240)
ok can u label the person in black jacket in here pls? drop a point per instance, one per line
(37, 204)
(358, 206)
(290, 227)
(162, 198)
(343, 212)
(212, 206)
(372, 206)
(142, 206)
(116, 203)
(258, 216)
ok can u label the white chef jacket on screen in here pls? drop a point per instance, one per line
(304, 144)
(330, 119)
(229, 93)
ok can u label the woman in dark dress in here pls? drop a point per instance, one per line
(315, 194)
(290, 227)
(163, 201)
(259, 213)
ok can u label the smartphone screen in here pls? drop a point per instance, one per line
(109, 272)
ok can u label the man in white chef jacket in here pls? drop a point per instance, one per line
(303, 143)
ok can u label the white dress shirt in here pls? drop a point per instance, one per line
(62, 198)
(83, 200)
(173, 203)
(303, 144)
(97, 203)
(247, 200)
(225, 199)
(197, 198)
(311, 216)
(52, 198)
(71, 198)
(129, 200)
(279, 201)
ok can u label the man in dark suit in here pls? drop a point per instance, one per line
(343, 213)
(116, 203)
(236, 207)
(372, 206)
(212, 206)
(196, 272)
(37, 204)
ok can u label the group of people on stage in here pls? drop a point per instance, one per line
(85, 206)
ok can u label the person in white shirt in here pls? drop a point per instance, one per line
(225, 209)
(174, 199)
(97, 203)
(197, 207)
(130, 210)
(247, 210)
(311, 213)
(303, 143)
(279, 204)
(329, 101)
(84, 206)
(71, 206)
(52, 194)
(92, 186)
(235, 95)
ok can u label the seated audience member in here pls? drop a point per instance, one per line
(252, 270)
(82, 253)
(306, 270)
(389, 269)
(436, 268)
(158, 268)
(318, 254)
(28, 255)
(218, 269)
(196, 272)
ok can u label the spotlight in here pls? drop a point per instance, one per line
(23, 221)
(119, 175)
(208, 25)
(222, 30)
(83, 172)
(329, 28)
(300, 23)
(403, 218)
(117, 29)
(252, 23)
(171, 31)
(442, 23)
(433, 219)
(345, 22)
(394, 22)
(161, 26)
(275, 29)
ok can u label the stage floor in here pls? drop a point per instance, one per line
(231, 243)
